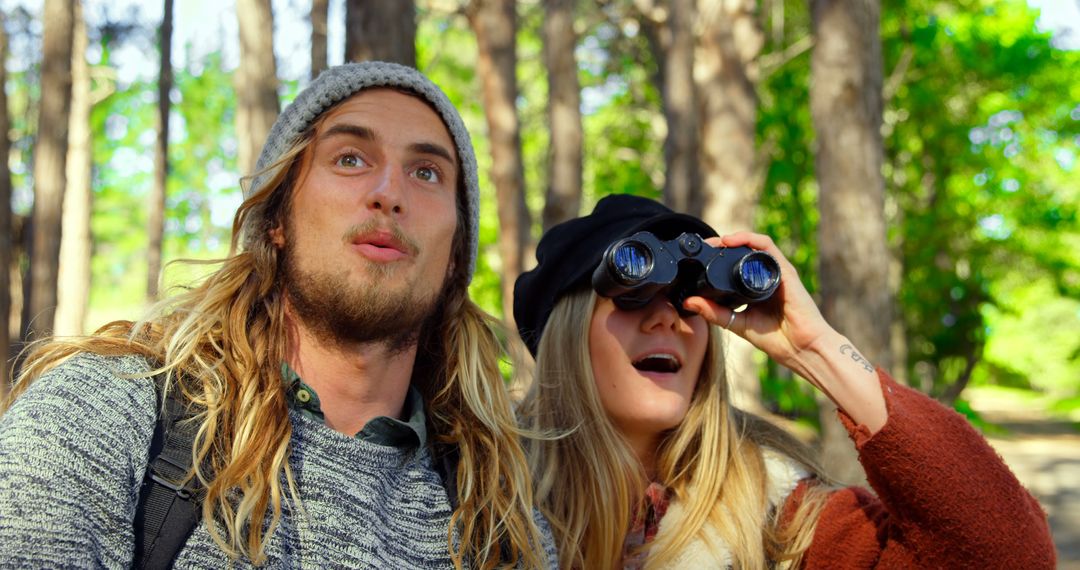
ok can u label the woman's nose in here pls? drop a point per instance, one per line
(660, 313)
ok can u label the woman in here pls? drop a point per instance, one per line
(649, 465)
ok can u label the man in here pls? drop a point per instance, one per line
(347, 405)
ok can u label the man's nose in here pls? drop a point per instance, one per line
(388, 193)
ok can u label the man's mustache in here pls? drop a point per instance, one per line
(371, 228)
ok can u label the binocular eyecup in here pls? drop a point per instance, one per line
(635, 269)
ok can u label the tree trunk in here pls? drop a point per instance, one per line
(6, 230)
(731, 40)
(319, 16)
(19, 280)
(255, 81)
(495, 24)
(50, 155)
(155, 224)
(75, 246)
(381, 30)
(670, 30)
(845, 103)
(563, 200)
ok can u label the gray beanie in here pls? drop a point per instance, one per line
(339, 83)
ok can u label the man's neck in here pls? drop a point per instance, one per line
(355, 383)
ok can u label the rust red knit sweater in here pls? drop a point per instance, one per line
(944, 499)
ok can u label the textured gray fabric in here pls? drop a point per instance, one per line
(74, 447)
(339, 83)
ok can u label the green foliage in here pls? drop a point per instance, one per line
(623, 121)
(1067, 407)
(1032, 333)
(784, 395)
(982, 204)
(964, 408)
(785, 133)
(980, 138)
(124, 126)
(201, 186)
(202, 154)
(23, 92)
(532, 108)
(446, 52)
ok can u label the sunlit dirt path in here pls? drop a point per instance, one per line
(1045, 455)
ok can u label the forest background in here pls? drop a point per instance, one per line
(917, 161)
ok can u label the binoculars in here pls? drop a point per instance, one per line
(635, 269)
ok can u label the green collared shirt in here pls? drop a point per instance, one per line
(382, 430)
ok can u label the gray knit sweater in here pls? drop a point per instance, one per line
(74, 447)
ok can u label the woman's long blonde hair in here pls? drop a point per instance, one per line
(221, 345)
(590, 484)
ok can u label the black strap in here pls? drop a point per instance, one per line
(446, 458)
(167, 512)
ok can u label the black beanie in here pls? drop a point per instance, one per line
(569, 252)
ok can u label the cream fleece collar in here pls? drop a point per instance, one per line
(708, 549)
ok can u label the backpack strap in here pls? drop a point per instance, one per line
(167, 512)
(446, 458)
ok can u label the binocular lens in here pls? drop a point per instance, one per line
(632, 262)
(759, 273)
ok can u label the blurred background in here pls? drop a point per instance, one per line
(916, 160)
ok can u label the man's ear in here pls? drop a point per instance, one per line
(277, 237)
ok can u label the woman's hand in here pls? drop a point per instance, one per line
(790, 329)
(783, 326)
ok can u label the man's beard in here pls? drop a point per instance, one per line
(346, 314)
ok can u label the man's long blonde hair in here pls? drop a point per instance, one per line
(221, 345)
(590, 484)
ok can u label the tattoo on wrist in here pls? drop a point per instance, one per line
(855, 356)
